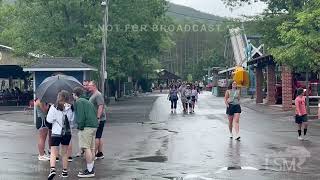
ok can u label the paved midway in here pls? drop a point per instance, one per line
(144, 141)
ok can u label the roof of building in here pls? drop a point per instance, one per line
(266, 59)
(166, 75)
(6, 47)
(59, 64)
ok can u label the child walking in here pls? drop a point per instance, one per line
(301, 114)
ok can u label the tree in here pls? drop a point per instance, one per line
(291, 32)
(302, 39)
(275, 6)
(73, 28)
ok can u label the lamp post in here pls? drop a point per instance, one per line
(103, 74)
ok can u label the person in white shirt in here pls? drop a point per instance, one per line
(61, 116)
(183, 98)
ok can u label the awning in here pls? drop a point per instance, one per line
(227, 70)
(13, 71)
(264, 60)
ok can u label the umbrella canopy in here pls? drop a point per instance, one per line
(50, 87)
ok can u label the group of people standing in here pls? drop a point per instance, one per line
(188, 94)
(83, 110)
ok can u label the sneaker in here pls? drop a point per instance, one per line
(300, 138)
(70, 159)
(43, 158)
(231, 135)
(52, 173)
(99, 155)
(86, 174)
(238, 138)
(305, 137)
(57, 159)
(64, 174)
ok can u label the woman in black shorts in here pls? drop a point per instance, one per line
(43, 127)
(61, 116)
(232, 101)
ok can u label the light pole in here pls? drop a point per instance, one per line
(103, 73)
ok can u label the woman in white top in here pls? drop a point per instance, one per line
(61, 116)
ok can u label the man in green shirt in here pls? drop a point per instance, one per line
(87, 124)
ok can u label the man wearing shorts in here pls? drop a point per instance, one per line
(98, 101)
(301, 114)
(87, 125)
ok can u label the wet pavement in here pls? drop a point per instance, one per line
(143, 140)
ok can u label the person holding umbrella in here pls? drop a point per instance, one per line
(44, 128)
(61, 116)
(55, 91)
(87, 124)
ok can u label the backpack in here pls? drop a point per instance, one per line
(66, 130)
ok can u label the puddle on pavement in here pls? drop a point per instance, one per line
(159, 159)
(234, 168)
(188, 177)
(142, 169)
(164, 129)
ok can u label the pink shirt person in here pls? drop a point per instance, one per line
(300, 103)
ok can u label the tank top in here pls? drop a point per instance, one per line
(233, 96)
(40, 113)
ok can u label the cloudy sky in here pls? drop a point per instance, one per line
(217, 7)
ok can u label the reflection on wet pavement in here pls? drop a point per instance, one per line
(177, 147)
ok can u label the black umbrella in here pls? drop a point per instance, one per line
(50, 87)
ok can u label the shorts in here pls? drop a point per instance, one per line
(42, 123)
(233, 109)
(100, 129)
(63, 140)
(301, 119)
(87, 138)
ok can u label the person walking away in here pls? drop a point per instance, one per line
(43, 127)
(60, 115)
(194, 97)
(232, 101)
(173, 97)
(201, 85)
(183, 98)
(87, 124)
(97, 100)
(187, 94)
(301, 114)
(161, 87)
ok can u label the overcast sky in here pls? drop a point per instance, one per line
(217, 7)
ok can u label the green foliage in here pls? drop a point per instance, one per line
(181, 13)
(73, 28)
(302, 39)
(211, 58)
(275, 6)
(291, 32)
